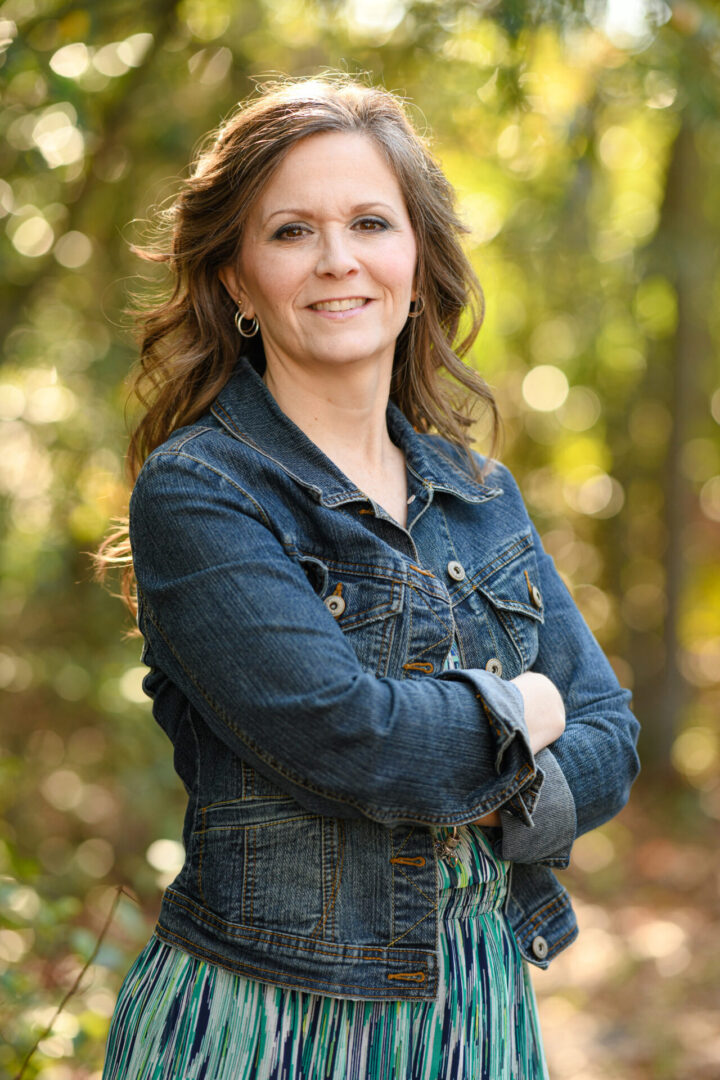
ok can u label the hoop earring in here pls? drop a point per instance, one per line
(254, 325)
(418, 311)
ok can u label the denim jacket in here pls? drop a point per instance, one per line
(296, 636)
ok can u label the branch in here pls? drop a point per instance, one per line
(119, 891)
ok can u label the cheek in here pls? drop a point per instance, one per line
(400, 266)
(401, 273)
(268, 275)
(394, 267)
(272, 284)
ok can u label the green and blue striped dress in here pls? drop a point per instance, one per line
(180, 1018)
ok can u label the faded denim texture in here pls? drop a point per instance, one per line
(317, 743)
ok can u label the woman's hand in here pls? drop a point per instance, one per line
(544, 716)
(544, 708)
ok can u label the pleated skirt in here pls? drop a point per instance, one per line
(181, 1018)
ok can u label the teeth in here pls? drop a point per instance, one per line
(339, 305)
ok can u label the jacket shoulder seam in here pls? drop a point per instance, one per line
(218, 472)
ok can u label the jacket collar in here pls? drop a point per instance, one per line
(247, 409)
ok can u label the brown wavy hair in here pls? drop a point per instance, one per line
(189, 343)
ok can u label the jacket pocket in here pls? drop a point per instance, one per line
(242, 849)
(505, 598)
(364, 604)
(367, 614)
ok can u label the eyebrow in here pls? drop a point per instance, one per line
(360, 208)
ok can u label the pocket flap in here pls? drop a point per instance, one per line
(363, 600)
(256, 813)
(511, 581)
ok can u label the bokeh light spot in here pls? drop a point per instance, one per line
(581, 409)
(133, 50)
(14, 944)
(73, 249)
(598, 495)
(695, 751)
(12, 401)
(483, 215)
(656, 938)
(595, 606)
(593, 851)
(57, 138)
(700, 664)
(7, 199)
(95, 857)
(33, 237)
(131, 685)
(710, 498)
(643, 605)
(72, 682)
(166, 855)
(715, 406)
(656, 306)
(206, 19)
(375, 16)
(63, 789)
(71, 61)
(108, 60)
(545, 388)
(554, 340)
(660, 89)
(50, 404)
(620, 148)
(15, 672)
(24, 901)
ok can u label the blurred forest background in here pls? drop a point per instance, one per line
(584, 142)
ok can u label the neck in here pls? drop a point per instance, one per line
(341, 409)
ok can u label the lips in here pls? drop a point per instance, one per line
(340, 305)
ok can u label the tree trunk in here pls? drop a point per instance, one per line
(682, 254)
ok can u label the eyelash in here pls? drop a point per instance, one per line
(283, 233)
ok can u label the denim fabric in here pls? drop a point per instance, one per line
(295, 636)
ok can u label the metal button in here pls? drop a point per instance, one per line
(335, 605)
(494, 666)
(540, 947)
(456, 570)
(536, 596)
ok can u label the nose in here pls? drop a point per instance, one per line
(335, 256)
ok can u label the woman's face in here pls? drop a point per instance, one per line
(327, 262)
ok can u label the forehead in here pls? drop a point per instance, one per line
(332, 164)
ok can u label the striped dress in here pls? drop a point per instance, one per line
(180, 1018)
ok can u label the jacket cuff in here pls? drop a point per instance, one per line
(521, 807)
(547, 837)
(504, 710)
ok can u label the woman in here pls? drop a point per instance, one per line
(389, 716)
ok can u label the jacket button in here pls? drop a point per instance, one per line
(335, 605)
(494, 666)
(536, 596)
(456, 570)
(540, 947)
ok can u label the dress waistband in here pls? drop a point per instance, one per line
(477, 899)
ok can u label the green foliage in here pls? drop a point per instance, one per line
(585, 146)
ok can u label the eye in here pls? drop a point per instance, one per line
(291, 231)
(371, 224)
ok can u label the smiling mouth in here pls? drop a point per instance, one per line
(340, 305)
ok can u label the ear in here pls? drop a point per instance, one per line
(230, 280)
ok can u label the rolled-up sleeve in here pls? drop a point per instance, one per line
(588, 771)
(553, 821)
